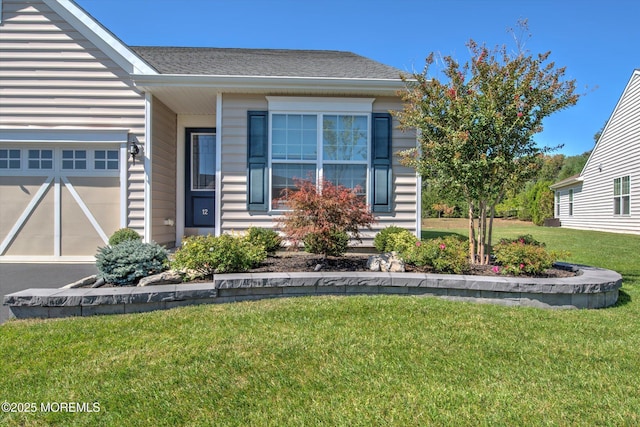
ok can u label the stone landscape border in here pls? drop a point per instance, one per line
(590, 288)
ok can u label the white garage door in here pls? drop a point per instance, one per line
(59, 202)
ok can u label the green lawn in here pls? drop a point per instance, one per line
(363, 360)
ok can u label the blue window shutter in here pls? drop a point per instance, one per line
(257, 152)
(381, 162)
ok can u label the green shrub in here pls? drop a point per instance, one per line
(329, 243)
(207, 255)
(401, 242)
(123, 234)
(524, 255)
(394, 238)
(380, 240)
(127, 262)
(269, 239)
(445, 254)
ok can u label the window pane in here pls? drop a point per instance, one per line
(616, 187)
(67, 154)
(294, 137)
(345, 138)
(625, 185)
(100, 154)
(203, 167)
(616, 205)
(625, 205)
(284, 176)
(350, 176)
(67, 164)
(100, 164)
(112, 154)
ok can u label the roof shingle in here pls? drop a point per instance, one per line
(263, 62)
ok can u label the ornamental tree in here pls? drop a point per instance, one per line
(323, 218)
(476, 127)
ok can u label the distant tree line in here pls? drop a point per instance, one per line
(532, 201)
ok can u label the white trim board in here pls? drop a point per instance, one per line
(67, 136)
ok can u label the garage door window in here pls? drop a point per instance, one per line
(74, 159)
(40, 159)
(9, 159)
(106, 159)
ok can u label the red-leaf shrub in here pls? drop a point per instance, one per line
(326, 214)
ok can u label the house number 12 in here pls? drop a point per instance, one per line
(205, 212)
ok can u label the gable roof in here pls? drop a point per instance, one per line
(605, 131)
(100, 36)
(263, 62)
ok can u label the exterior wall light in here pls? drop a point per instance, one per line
(134, 150)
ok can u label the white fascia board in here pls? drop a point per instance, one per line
(567, 183)
(100, 36)
(47, 135)
(374, 86)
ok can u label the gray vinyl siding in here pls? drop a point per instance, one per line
(163, 173)
(617, 154)
(51, 76)
(234, 214)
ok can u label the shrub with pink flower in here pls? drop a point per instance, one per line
(445, 254)
(525, 255)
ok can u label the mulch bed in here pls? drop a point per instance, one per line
(304, 262)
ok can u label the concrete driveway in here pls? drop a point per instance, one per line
(18, 277)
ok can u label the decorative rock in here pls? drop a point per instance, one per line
(99, 283)
(89, 280)
(388, 262)
(165, 278)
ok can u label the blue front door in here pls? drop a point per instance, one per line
(200, 177)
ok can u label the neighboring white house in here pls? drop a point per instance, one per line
(605, 196)
(220, 132)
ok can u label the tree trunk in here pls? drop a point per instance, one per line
(489, 241)
(472, 235)
(482, 231)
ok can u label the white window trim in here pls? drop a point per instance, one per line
(298, 105)
(571, 199)
(619, 203)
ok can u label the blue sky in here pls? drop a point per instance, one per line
(598, 41)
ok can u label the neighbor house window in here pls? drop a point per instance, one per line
(334, 147)
(570, 202)
(74, 159)
(40, 159)
(106, 160)
(9, 159)
(557, 204)
(621, 195)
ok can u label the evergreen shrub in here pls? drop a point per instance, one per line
(130, 260)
